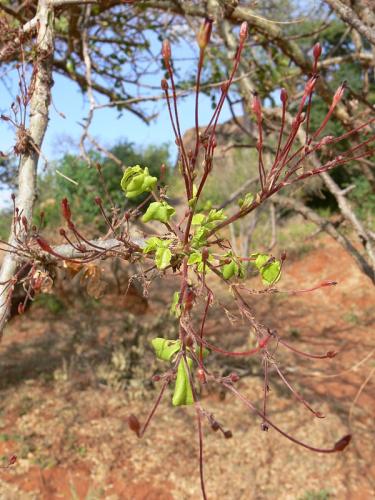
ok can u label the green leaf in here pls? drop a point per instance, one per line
(246, 201)
(163, 257)
(192, 202)
(198, 219)
(137, 180)
(216, 216)
(194, 258)
(153, 243)
(164, 348)
(175, 308)
(271, 273)
(230, 270)
(269, 268)
(183, 394)
(159, 210)
(199, 238)
(260, 259)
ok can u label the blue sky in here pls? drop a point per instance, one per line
(63, 133)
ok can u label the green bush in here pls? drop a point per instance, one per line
(89, 185)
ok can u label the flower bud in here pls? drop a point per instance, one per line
(204, 34)
(234, 377)
(66, 213)
(339, 93)
(317, 51)
(166, 52)
(244, 31)
(283, 95)
(164, 84)
(311, 84)
(256, 106)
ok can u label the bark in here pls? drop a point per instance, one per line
(69, 252)
(348, 15)
(38, 121)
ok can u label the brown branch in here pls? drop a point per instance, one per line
(39, 111)
(348, 15)
(70, 252)
(82, 82)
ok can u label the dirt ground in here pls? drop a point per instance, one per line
(69, 380)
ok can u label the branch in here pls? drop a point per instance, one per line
(38, 114)
(328, 227)
(349, 16)
(236, 15)
(349, 215)
(70, 252)
(82, 82)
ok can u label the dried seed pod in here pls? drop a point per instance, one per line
(343, 443)
(228, 434)
(134, 424)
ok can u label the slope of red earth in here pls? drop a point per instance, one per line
(64, 412)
